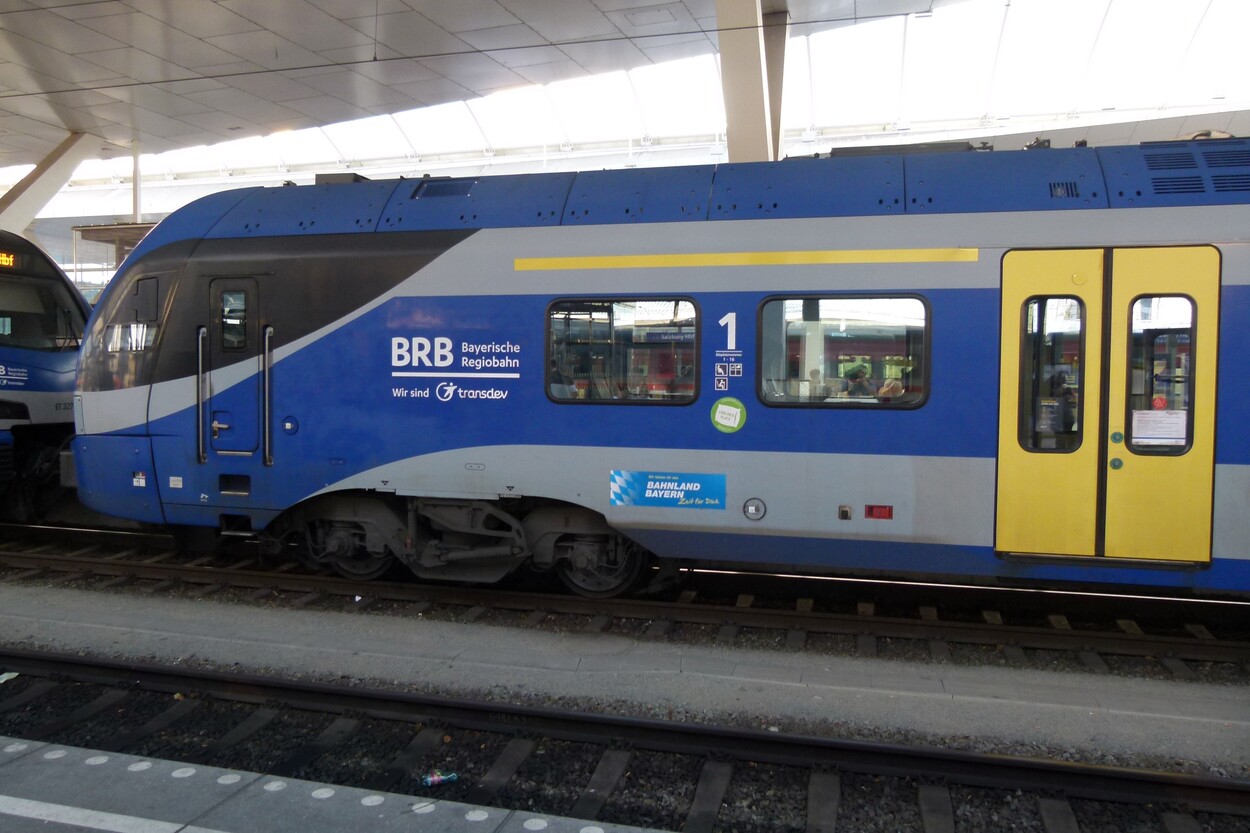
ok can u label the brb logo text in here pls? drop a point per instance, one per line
(421, 352)
(437, 358)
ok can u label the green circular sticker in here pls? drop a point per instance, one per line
(729, 415)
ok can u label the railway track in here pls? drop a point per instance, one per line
(1182, 640)
(625, 770)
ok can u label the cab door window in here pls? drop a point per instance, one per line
(234, 319)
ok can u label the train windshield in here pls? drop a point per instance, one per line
(39, 313)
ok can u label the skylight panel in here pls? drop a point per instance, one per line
(947, 62)
(1138, 54)
(444, 128)
(681, 98)
(856, 72)
(378, 137)
(598, 108)
(517, 118)
(1041, 62)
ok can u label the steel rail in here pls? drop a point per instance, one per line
(1074, 780)
(1124, 644)
(1033, 637)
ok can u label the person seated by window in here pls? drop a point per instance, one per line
(858, 383)
(601, 385)
(818, 391)
(891, 390)
(1066, 398)
(683, 385)
(561, 387)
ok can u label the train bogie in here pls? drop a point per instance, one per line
(455, 378)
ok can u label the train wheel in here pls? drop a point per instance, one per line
(344, 551)
(615, 572)
(362, 566)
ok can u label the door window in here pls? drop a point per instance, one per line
(1160, 402)
(234, 319)
(1050, 374)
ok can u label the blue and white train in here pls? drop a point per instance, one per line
(42, 317)
(984, 366)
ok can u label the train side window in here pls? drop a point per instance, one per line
(844, 351)
(1051, 381)
(629, 351)
(130, 338)
(1160, 401)
(233, 319)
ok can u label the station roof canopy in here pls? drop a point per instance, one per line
(155, 76)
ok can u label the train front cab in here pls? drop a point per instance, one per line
(1107, 413)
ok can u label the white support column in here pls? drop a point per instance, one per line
(23, 201)
(776, 31)
(749, 56)
(136, 188)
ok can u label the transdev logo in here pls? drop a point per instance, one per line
(13, 377)
(668, 489)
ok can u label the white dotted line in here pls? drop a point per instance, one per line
(321, 793)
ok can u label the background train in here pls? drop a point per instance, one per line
(1020, 367)
(42, 317)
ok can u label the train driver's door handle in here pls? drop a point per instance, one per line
(218, 426)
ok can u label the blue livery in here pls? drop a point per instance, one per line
(991, 366)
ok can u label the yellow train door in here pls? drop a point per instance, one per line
(1107, 412)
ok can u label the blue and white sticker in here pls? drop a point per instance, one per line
(674, 490)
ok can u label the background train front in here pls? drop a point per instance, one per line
(42, 317)
(467, 398)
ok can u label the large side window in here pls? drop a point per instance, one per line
(624, 351)
(1050, 374)
(843, 351)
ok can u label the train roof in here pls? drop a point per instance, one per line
(1164, 174)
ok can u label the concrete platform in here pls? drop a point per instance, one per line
(46, 788)
(1082, 712)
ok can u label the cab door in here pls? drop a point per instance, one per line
(1107, 412)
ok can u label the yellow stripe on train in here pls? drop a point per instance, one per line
(698, 259)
